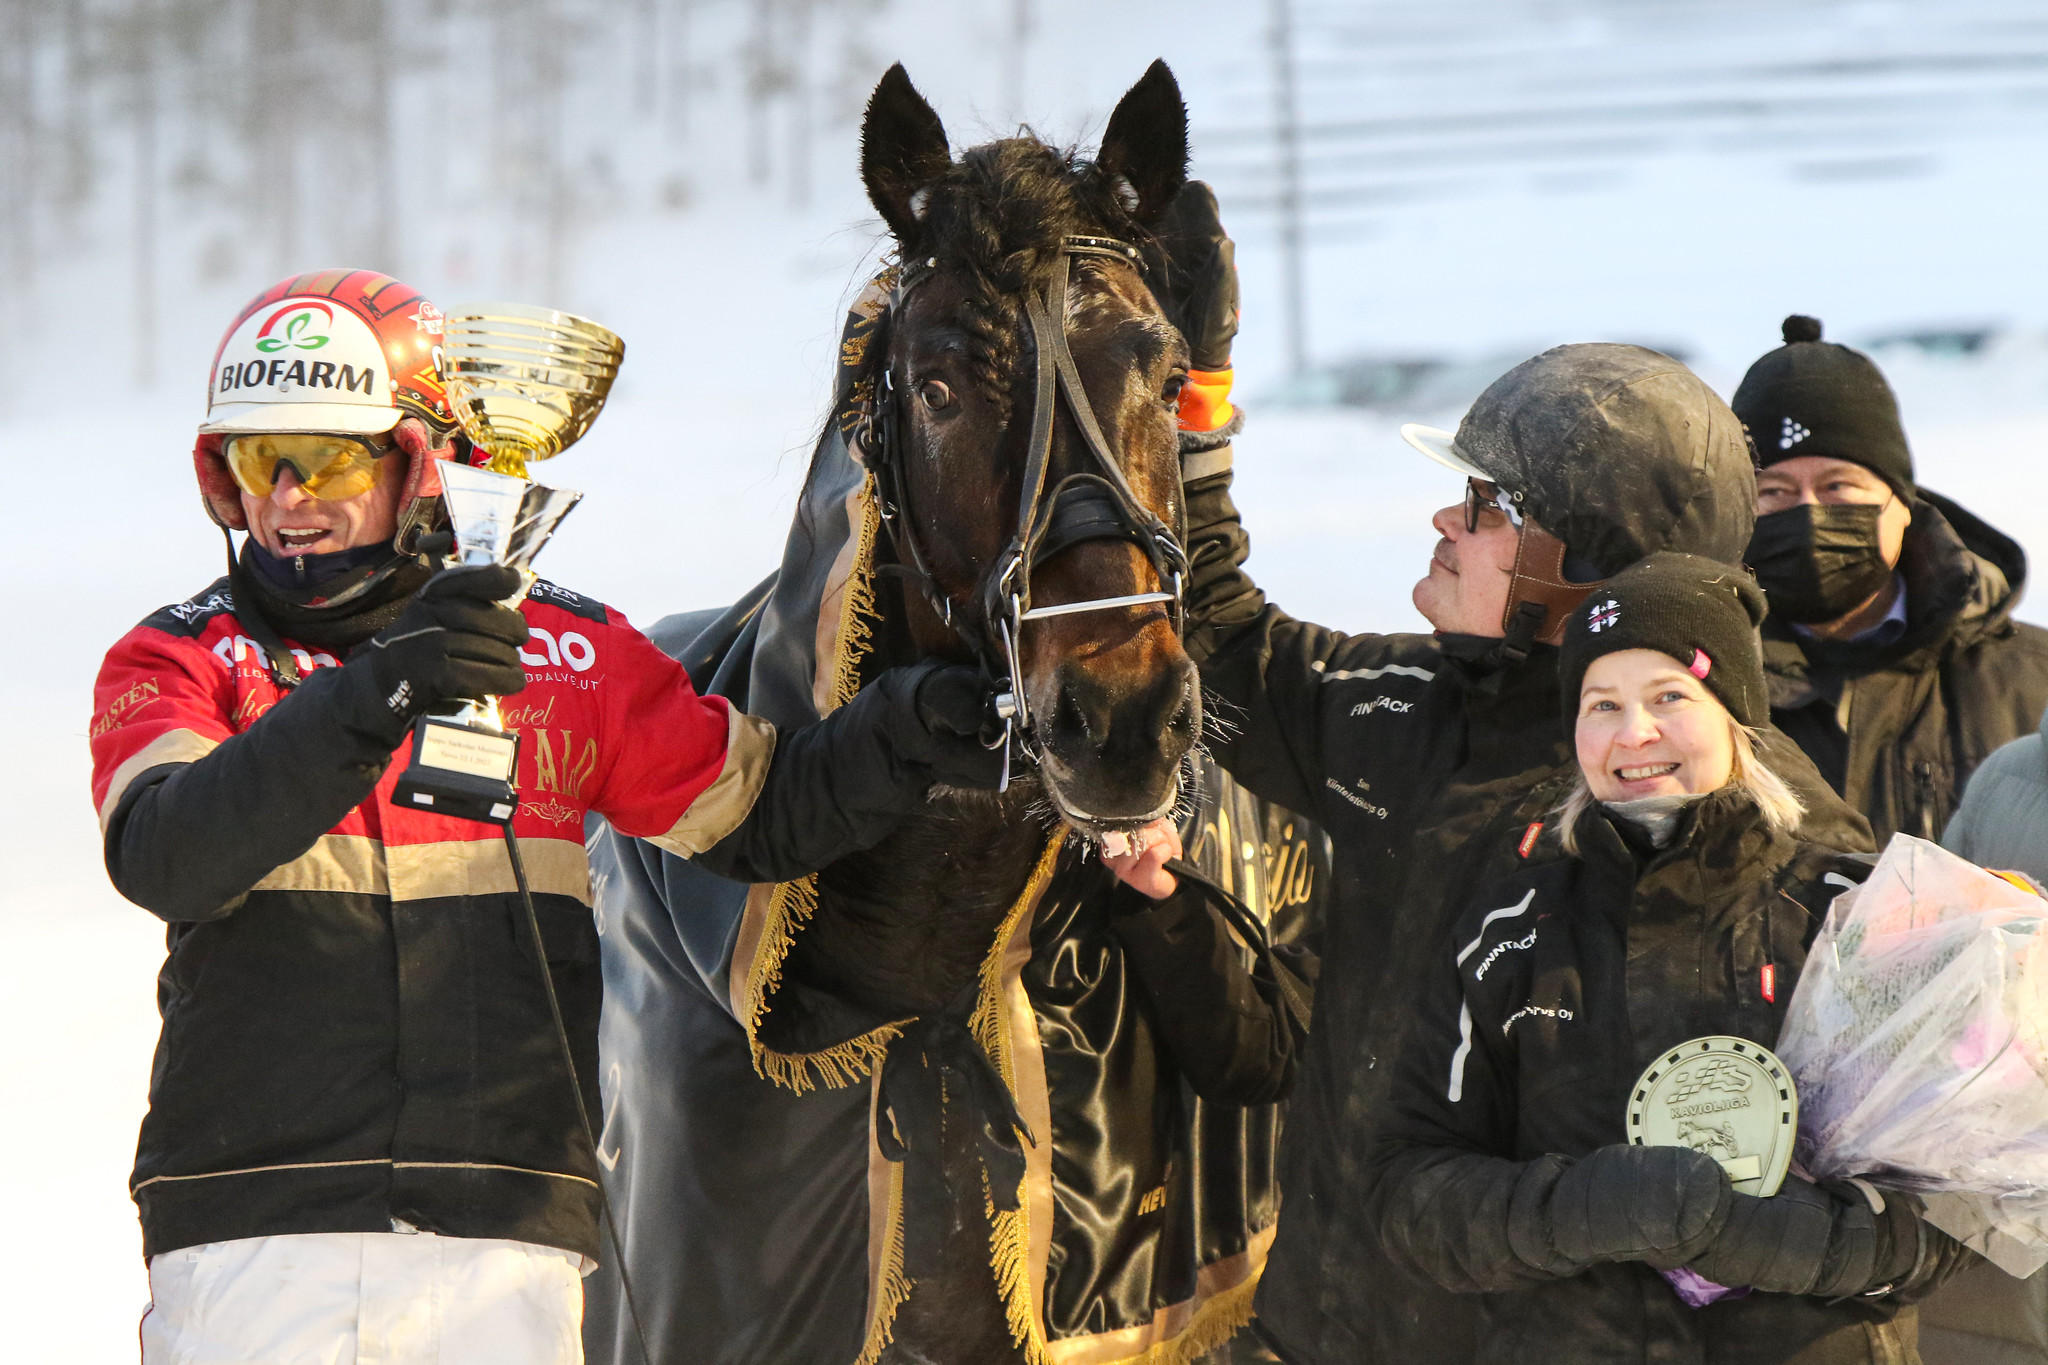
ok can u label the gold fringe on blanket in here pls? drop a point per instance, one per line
(1010, 1236)
(793, 903)
(1010, 1229)
(1220, 1317)
(892, 1286)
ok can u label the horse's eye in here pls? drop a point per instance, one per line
(935, 395)
(1170, 394)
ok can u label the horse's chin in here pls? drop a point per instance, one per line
(1094, 819)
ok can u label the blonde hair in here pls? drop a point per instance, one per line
(1781, 807)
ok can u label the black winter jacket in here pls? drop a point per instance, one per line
(1558, 986)
(355, 1027)
(1924, 711)
(1429, 762)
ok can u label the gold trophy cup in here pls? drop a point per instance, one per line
(525, 383)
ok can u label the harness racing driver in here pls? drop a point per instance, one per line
(1435, 761)
(361, 1139)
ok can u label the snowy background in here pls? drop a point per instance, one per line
(1479, 179)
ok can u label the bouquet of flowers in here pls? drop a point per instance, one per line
(1918, 1038)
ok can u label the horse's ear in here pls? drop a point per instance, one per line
(1147, 142)
(902, 151)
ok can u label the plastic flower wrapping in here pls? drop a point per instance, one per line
(1918, 1037)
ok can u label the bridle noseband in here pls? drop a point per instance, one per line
(1096, 504)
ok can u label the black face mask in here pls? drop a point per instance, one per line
(1818, 561)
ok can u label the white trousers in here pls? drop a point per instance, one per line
(364, 1298)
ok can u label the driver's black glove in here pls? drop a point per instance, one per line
(842, 784)
(454, 640)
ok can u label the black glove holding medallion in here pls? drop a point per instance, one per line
(1659, 1205)
(1819, 561)
(455, 639)
(1810, 1239)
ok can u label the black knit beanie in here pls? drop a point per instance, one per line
(1700, 612)
(1814, 397)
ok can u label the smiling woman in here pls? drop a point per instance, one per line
(1648, 728)
(1682, 916)
(1664, 676)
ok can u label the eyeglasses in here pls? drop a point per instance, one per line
(330, 467)
(1483, 499)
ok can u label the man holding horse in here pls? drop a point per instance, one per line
(366, 1130)
(1578, 462)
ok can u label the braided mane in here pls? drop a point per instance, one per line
(999, 215)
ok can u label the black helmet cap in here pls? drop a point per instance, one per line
(1618, 451)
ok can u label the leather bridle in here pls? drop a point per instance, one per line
(1093, 504)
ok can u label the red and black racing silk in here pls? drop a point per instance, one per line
(363, 1036)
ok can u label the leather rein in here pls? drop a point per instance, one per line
(1091, 504)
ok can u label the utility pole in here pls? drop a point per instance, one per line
(1287, 137)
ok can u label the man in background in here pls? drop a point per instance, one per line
(1895, 663)
(1893, 657)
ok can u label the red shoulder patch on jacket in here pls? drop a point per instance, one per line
(1529, 837)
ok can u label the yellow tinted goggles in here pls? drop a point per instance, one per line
(329, 467)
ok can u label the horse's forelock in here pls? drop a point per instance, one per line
(1002, 211)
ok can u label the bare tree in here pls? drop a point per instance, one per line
(19, 169)
(133, 43)
(526, 126)
(681, 77)
(802, 119)
(765, 78)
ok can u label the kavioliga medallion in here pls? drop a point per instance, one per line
(1727, 1097)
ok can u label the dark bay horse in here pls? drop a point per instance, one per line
(905, 930)
(1000, 485)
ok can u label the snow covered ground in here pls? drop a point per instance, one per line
(730, 311)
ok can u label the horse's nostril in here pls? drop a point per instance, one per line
(1121, 727)
(1073, 716)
